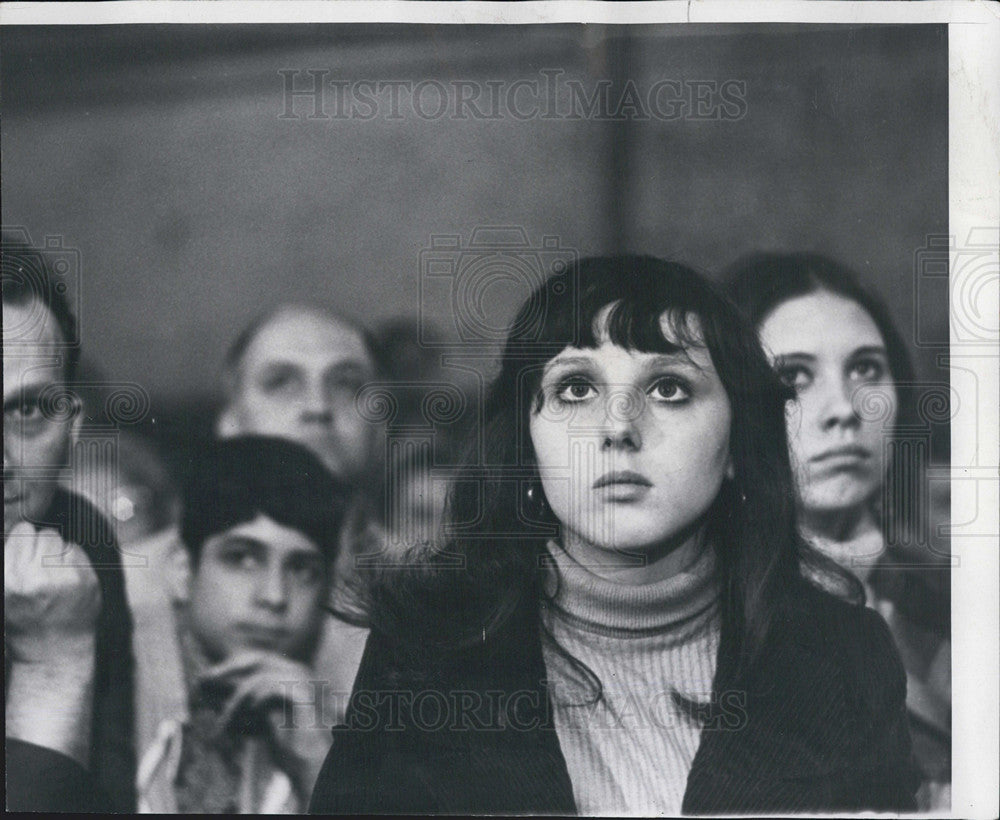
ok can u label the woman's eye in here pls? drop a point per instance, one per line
(795, 377)
(575, 390)
(867, 370)
(669, 390)
(29, 410)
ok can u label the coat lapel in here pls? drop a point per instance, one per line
(779, 739)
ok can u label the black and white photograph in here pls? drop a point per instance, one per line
(501, 409)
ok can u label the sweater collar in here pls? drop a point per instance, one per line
(599, 605)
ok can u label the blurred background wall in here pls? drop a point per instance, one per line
(161, 154)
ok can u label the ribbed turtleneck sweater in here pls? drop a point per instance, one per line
(631, 751)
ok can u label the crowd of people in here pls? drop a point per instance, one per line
(674, 568)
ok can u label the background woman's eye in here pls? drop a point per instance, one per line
(30, 410)
(867, 370)
(669, 390)
(795, 377)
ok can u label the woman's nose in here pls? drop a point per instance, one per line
(837, 407)
(623, 410)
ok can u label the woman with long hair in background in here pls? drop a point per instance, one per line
(860, 484)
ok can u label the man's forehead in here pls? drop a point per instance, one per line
(36, 356)
(295, 334)
(30, 325)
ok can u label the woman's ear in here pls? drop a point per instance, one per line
(730, 469)
(77, 423)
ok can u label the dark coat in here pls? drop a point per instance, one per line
(819, 726)
(43, 780)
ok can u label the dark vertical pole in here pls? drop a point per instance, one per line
(621, 68)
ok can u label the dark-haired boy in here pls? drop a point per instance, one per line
(232, 713)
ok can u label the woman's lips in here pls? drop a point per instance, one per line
(622, 478)
(623, 485)
(848, 454)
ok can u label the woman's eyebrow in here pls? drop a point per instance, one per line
(784, 357)
(868, 350)
(568, 361)
(670, 359)
(680, 360)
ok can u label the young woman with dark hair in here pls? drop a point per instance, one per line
(621, 617)
(859, 479)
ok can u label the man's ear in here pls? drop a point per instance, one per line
(730, 469)
(178, 573)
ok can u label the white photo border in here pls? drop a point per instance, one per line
(974, 194)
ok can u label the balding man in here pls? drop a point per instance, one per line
(294, 373)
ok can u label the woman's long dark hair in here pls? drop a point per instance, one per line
(759, 283)
(488, 572)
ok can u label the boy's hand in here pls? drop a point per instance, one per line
(287, 695)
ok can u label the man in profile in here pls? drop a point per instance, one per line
(67, 631)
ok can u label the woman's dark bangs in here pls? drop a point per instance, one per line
(636, 325)
(639, 290)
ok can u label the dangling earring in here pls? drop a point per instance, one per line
(739, 497)
(534, 501)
